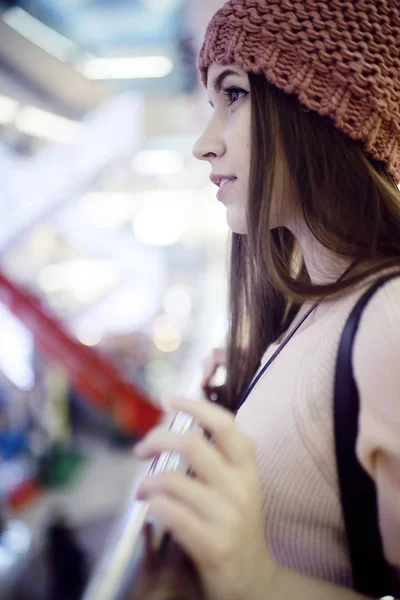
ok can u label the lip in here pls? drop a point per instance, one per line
(217, 178)
(224, 189)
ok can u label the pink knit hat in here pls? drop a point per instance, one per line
(341, 58)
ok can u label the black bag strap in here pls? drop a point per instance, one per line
(371, 573)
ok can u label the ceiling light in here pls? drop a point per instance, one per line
(177, 302)
(39, 34)
(162, 4)
(158, 162)
(87, 337)
(162, 219)
(139, 67)
(8, 110)
(86, 279)
(107, 209)
(167, 336)
(16, 537)
(7, 561)
(40, 123)
(127, 307)
(16, 355)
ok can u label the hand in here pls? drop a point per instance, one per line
(162, 573)
(216, 517)
(211, 364)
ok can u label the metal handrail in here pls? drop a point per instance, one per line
(110, 579)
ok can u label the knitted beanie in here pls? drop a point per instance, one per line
(340, 57)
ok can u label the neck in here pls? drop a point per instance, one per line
(324, 266)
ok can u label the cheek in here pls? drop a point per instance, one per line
(244, 146)
(239, 144)
(239, 141)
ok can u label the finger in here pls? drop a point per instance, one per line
(219, 356)
(211, 364)
(202, 499)
(190, 531)
(220, 424)
(203, 458)
(209, 369)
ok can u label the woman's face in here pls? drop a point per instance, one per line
(226, 142)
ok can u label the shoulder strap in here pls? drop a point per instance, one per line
(371, 573)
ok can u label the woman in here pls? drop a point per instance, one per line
(304, 145)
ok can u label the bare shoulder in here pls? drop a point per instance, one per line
(377, 344)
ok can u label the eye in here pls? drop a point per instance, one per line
(233, 94)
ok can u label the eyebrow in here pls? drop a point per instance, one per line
(219, 80)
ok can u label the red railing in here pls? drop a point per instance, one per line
(91, 374)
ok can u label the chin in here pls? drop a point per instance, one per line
(236, 220)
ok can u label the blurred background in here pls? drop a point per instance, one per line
(113, 262)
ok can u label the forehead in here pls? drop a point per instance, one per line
(215, 69)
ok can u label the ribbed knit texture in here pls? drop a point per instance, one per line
(290, 416)
(340, 57)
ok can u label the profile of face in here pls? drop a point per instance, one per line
(226, 141)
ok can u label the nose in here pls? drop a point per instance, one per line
(210, 144)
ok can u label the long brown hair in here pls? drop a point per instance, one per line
(348, 202)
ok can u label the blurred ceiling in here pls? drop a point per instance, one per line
(103, 204)
(62, 46)
(107, 26)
